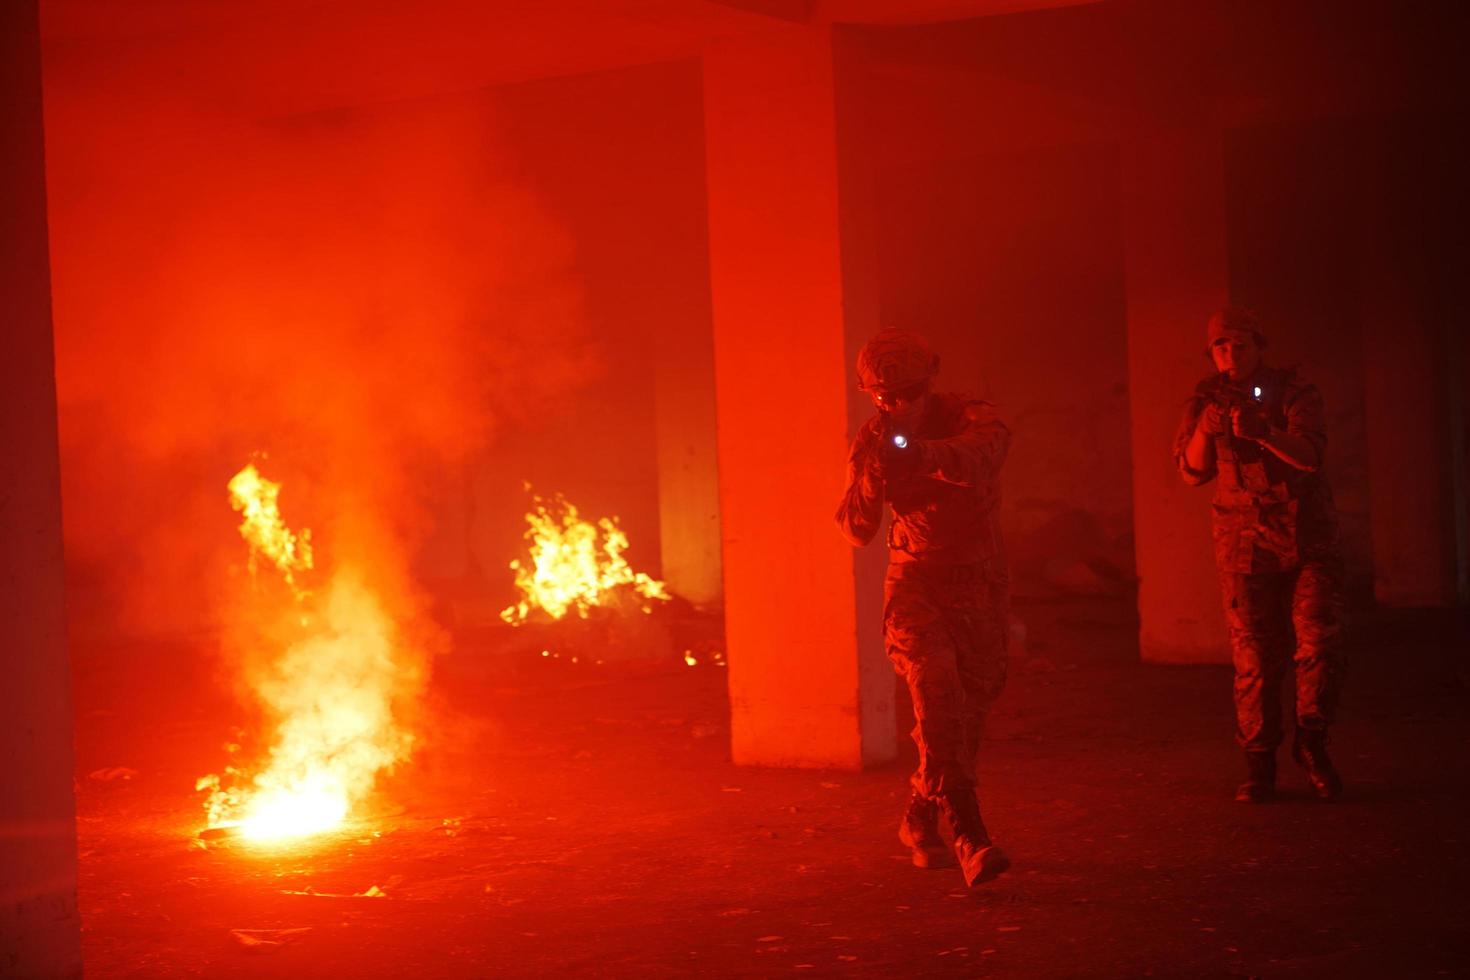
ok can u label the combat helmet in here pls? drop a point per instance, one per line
(894, 359)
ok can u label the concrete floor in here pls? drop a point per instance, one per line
(567, 820)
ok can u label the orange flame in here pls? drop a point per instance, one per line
(255, 498)
(330, 694)
(571, 569)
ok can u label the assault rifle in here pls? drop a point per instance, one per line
(894, 438)
(896, 447)
(1249, 399)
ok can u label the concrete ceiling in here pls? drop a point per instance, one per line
(282, 56)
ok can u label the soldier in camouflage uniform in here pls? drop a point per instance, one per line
(935, 459)
(1259, 433)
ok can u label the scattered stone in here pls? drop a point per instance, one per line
(267, 940)
(111, 773)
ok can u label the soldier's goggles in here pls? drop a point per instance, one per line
(906, 395)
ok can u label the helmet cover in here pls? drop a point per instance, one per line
(895, 358)
(1232, 321)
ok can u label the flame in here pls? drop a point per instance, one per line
(262, 527)
(575, 565)
(330, 695)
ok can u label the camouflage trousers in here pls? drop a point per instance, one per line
(945, 629)
(1278, 620)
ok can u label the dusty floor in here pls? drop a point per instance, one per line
(572, 820)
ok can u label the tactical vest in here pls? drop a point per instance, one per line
(1247, 469)
(942, 522)
(1257, 510)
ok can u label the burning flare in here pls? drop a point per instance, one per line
(330, 694)
(575, 565)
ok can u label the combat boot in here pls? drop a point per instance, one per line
(919, 832)
(1309, 749)
(979, 858)
(1260, 780)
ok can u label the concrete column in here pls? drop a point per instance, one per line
(1407, 408)
(803, 690)
(1459, 372)
(40, 933)
(1177, 275)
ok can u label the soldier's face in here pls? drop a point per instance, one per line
(905, 406)
(1236, 354)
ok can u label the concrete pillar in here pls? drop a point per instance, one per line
(1459, 372)
(803, 690)
(1407, 414)
(1177, 275)
(40, 933)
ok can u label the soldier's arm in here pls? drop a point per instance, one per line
(1304, 440)
(973, 456)
(861, 512)
(1194, 449)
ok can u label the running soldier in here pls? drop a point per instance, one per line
(1259, 432)
(935, 459)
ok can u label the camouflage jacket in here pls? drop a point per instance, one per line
(947, 508)
(1268, 515)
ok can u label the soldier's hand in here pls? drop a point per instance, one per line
(1213, 421)
(1248, 425)
(872, 471)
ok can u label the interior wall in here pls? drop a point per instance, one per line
(615, 160)
(1012, 266)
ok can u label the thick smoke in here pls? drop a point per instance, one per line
(360, 295)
